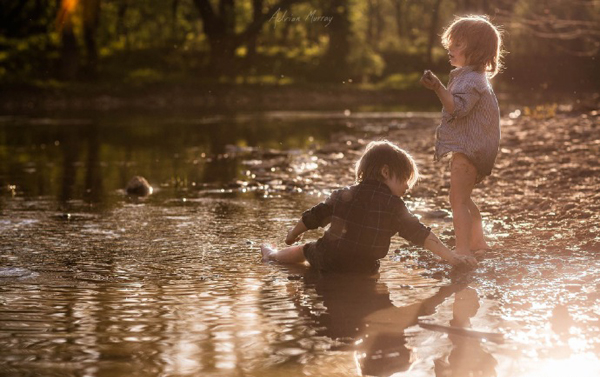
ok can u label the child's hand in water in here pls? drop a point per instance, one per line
(466, 260)
(292, 237)
(430, 81)
(463, 260)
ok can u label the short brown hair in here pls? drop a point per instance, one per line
(380, 153)
(483, 42)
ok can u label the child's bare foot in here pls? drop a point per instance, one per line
(267, 252)
(480, 249)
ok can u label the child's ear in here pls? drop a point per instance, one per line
(385, 172)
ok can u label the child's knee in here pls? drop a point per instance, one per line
(457, 201)
(459, 197)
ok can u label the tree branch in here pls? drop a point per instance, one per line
(210, 19)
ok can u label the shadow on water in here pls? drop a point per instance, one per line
(94, 283)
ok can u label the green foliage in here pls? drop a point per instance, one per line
(146, 42)
(144, 76)
(401, 81)
(364, 62)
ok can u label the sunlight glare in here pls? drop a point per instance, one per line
(581, 365)
(67, 7)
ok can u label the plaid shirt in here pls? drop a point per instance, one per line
(363, 218)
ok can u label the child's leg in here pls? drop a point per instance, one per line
(462, 181)
(292, 254)
(477, 238)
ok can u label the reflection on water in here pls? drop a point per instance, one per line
(90, 159)
(174, 287)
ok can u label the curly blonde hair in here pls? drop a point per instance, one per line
(482, 40)
(380, 153)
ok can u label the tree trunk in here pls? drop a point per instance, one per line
(174, 7)
(222, 48)
(216, 29)
(69, 50)
(433, 28)
(399, 18)
(375, 23)
(370, 23)
(251, 43)
(121, 24)
(220, 31)
(227, 14)
(334, 66)
(379, 24)
(91, 16)
(9, 17)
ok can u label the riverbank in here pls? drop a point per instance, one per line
(202, 96)
(226, 97)
(542, 195)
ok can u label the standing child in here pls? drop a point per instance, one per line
(363, 218)
(470, 127)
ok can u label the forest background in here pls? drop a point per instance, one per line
(207, 52)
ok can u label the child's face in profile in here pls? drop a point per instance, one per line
(396, 185)
(456, 53)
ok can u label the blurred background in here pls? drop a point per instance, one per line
(195, 47)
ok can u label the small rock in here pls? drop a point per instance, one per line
(139, 186)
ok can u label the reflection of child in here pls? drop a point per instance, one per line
(363, 218)
(468, 356)
(470, 127)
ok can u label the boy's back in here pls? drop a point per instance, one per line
(363, 219)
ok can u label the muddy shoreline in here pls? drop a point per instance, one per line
(542, 195)
(24, 99)
(203, 97)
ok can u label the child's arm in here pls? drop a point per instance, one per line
(433, 244)
(411, 229)
(317, 216)
(295, 233)
(431, 81)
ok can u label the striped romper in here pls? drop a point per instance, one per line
(474, 127)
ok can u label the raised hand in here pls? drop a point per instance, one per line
(430, 81)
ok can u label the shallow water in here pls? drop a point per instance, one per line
(93, 283)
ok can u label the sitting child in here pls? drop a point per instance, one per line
(363, 218)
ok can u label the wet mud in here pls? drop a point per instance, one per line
(544, 191)
(541, 209)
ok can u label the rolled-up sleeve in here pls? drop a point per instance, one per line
(411, 229)
(467, 94)
(319, 215)
(464, 102)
